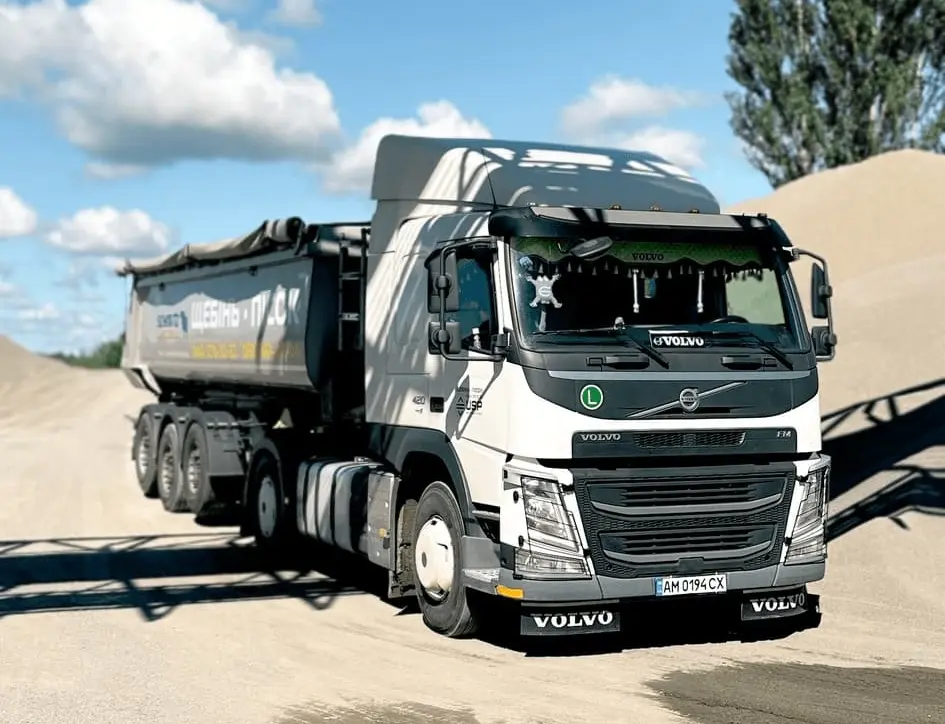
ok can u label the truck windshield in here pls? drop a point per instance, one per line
(728, 293)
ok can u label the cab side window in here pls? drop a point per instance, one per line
(477, 313)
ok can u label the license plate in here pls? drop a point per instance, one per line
(687, 585)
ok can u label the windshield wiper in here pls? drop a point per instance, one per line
(762, 344)
(613, 332)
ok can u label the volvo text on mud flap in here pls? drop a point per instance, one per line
(557, 624)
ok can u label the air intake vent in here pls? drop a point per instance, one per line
(651, 440)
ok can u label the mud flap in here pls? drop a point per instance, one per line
(568, 623)
(778, 605)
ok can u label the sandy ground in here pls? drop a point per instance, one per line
(115, 612)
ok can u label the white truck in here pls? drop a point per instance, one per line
(550, 374)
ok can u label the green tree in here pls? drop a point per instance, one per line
(107, 355)
(831, 82)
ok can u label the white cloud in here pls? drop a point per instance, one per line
(350, 170)
(601, 118)
(141, 83)
(12, 296)
(54, 329)
(106, 230)
(225, 4)
(110, 171)
(612, 100)
(17, 218)
(682, 148)
(83, 274)
(44, 312)
(300, 13)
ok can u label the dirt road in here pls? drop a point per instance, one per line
(115, 612)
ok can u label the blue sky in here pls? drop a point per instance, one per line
(129, 127)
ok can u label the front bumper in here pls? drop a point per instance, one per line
(599, 589)
(684, 620)
(756, 525)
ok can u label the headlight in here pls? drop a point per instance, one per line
(547, 519)
(809, 541)
(553, 549)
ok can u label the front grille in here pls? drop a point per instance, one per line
(666, 521)
(685, 493)
(659, 440)
(662, 546)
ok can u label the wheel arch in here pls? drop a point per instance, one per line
(419, 453)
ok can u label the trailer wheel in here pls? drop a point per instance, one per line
(197, 489)
(271, 527)
(170, 483)
(142, 452)
(438, 564)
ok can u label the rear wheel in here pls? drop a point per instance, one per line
(142, 452)
(197, 489)
(438, 564)
(271, 524)
(170, 482)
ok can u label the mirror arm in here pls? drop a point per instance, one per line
(827, 291)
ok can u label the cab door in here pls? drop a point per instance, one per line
(475, 413)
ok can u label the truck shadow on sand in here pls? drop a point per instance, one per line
(888, 444)
(157, 574)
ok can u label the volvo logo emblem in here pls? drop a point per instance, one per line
(689, 399)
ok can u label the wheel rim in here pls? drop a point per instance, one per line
(194, 462)
(267, 508)
(144, 454)
(167, 471)
(434, 560)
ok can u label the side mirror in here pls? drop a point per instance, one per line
(445, 340)
(820, 293)
(825, 343)
(442, 283)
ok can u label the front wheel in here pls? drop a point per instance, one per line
(438, 564)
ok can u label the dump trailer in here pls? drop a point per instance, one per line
(551, 376)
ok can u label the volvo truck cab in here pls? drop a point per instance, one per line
(627, 384)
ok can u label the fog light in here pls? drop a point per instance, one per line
(531, 564)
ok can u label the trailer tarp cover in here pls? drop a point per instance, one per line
(280, 232)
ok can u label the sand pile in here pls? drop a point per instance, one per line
(881, 226)
(18, 363)
(29, 380)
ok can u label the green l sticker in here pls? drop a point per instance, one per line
(591, 397)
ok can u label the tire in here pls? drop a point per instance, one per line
(269, 520)
(437, 521)
(170, 481)
(195, 459)
(142, 453)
